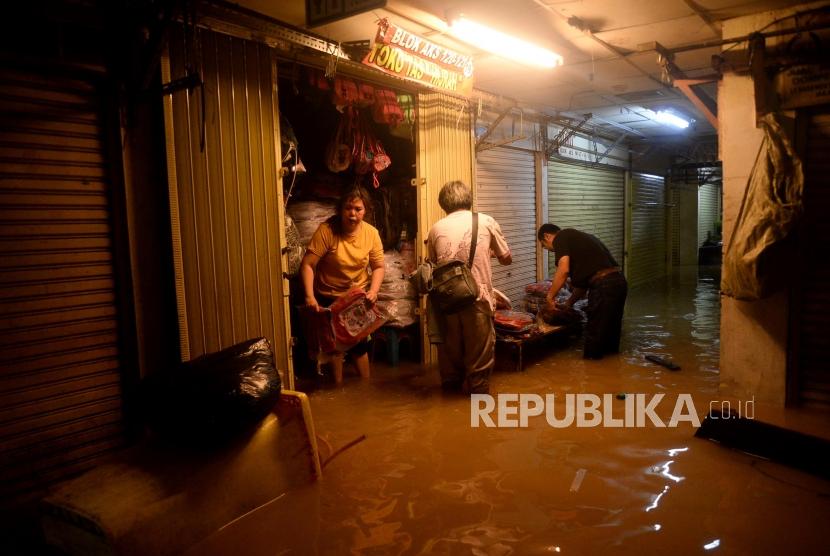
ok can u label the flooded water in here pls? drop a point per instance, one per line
(425, 482)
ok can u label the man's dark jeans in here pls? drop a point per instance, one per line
(606, 302)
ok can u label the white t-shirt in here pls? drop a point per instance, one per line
(449, 239)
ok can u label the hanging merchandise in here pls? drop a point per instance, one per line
(386, 109)
(338, 152)
(407, 104)
(345, 92)
(367, 152)
(366, 95)
(317, 79)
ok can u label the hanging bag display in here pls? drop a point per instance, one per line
(453, 285)
(338, 153)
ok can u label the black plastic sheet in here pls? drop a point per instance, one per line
(213, 397)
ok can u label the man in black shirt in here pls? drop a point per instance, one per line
(592, 269)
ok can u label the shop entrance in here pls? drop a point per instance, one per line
(338, 134)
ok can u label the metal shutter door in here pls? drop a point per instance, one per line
(506, 190)
(813, 310)
(683, 202)
(647, 259)
(444, 153)
(227, 213)
(708, 211)
(60, 375)
(588, 199)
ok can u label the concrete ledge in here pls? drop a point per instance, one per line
(155, 499)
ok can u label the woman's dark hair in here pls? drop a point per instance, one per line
(336, 220)
(547, 229)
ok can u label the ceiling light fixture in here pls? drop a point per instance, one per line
(502, 45)
(667, 118)
(672, 119)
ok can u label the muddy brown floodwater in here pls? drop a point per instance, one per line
(425, 482)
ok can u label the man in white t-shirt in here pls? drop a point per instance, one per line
(467, 354)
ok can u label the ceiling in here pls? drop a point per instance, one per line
(610, 69)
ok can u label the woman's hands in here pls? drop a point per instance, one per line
(311, 301)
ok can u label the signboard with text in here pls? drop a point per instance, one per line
(803, 85)
(398, 52)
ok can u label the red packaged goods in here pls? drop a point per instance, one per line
(345, 92)
(367, 94)
(353, 318)
(386, 109)
(514, 320)
(538, 288)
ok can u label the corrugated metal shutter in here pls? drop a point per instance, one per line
(708, 211)
(813, 320)
(226, 201)
(647, 257)
(684, 241)
(506, 190)
(445, 153)
(588, 199)
(60, 373)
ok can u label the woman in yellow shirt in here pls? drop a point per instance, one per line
(337, 259)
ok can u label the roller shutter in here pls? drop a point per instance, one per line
(506, 190)
(811, 319)
(226, 204)
(588, 199)
(708, 211)
(444, 153)
(60, 367)
(684, 240)
(647, 259)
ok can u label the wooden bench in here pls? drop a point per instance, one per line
(515, 345)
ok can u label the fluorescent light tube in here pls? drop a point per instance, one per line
(503, 45)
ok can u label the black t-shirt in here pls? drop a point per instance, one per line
(588, 255)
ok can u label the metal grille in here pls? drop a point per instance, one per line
(647, 257)
(588, 199)
(60, 375)
(506, 190)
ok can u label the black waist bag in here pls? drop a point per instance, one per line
(453, 286)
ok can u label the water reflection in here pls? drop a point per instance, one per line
(425, 482)
(678, 318)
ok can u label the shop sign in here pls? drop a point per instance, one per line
(804, 85)
(569, 152)
(403, 54)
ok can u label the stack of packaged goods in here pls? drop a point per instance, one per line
(397, 295)
(308, 215)
(535, 296)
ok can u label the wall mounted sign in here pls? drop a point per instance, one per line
(803, 85)
(398, 52)
(318, 12)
